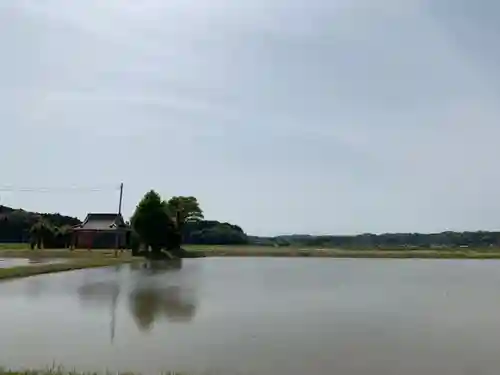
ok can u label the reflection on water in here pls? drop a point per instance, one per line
(149, 299)
(157, 267)
(150, 304)
(259, 316)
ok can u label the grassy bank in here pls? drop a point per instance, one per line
(8, 251)
(61, 371)
(70, 265)
(243, 251)
(14, 246)
(61, 253)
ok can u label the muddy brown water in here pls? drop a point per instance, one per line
(260, 316)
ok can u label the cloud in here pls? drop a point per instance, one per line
(289, 116)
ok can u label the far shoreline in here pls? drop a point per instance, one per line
(200, 251)
(302, 252)
(82, 259)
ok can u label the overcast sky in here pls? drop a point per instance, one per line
(282, 116)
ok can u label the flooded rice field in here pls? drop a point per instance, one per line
(260, 316)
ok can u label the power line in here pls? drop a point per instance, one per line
(60, 189)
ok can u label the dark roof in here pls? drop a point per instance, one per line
(102, 221)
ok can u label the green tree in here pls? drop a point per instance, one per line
(63, 236)
(152, 223)
(42, 234)
(184, 210)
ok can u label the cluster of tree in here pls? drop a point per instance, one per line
(45, 235)
(208, 232)
(184, 222)
(160, 225)
(157, 226)
(386, 240)
(22, 226)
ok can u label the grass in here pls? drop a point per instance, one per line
(71, 265)
(62, 371)
(25, 252)
(445, 253)
(14, 246)
(75, 260)
(80, 259)
(8, 250)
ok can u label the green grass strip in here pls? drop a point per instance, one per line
(71, 265)
(255, 251)
(63, 371)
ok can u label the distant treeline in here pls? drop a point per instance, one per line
(16, 227)
(210, 232)
(386, 241)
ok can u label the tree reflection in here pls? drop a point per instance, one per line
(150, 304)
(157, 267)
(152, 300)
(155, 291)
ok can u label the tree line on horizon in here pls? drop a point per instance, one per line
(448, 239)
(20, 226)
(54, 230)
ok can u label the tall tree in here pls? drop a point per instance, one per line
(63, 236)
(42, 233)
(184, 210)
(152, 223)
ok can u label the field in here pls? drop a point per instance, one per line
(75, 264)
(8, 251)
(22, 250)
(446, 253)
(75, 260)
(61, 371)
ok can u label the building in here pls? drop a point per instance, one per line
(102, 231)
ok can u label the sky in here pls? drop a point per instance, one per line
(281, 116)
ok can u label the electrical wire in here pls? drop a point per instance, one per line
(60, 189)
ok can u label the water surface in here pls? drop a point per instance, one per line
(260, 316)
(14, 262)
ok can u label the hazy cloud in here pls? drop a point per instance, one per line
(281, 116)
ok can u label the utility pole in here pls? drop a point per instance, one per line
(119, 233)
(121, 199)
